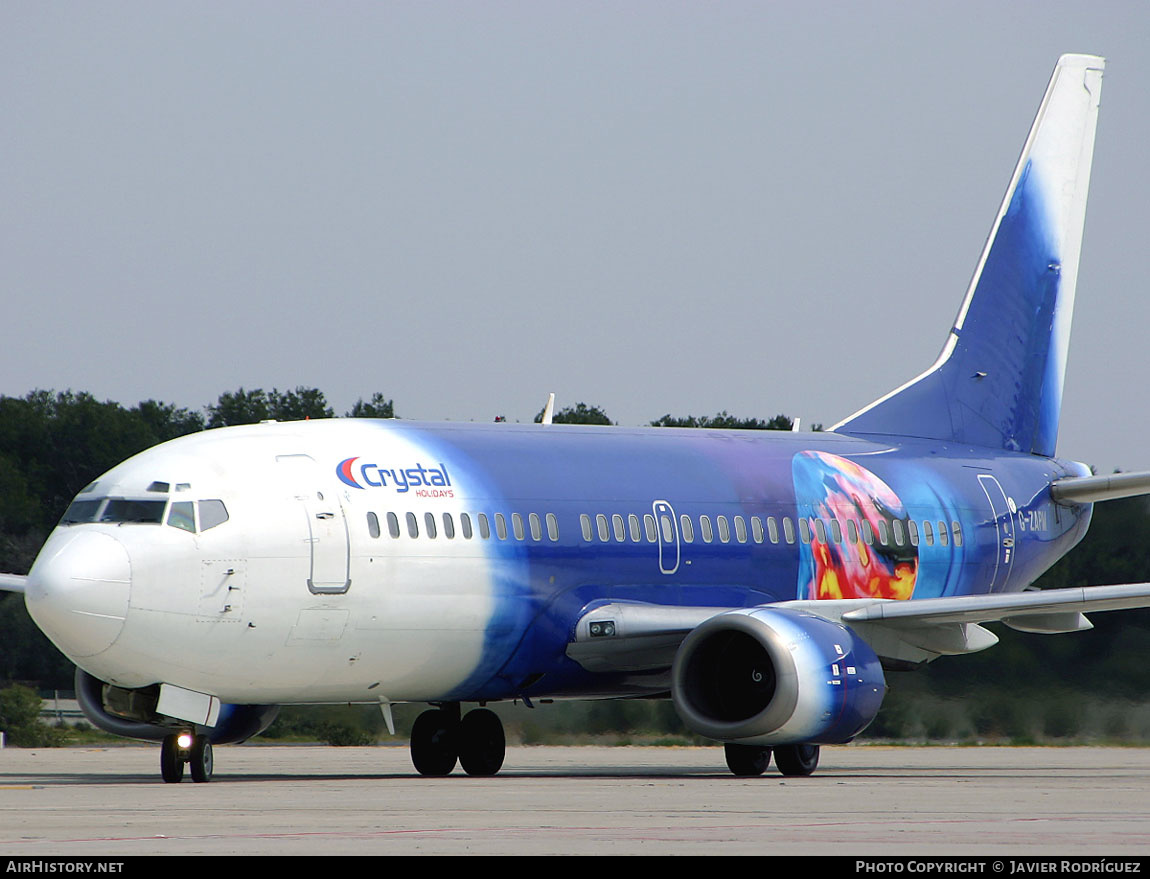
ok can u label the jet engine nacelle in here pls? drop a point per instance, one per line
(775, 676)
(131, 713)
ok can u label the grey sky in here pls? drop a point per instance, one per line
(653, 207)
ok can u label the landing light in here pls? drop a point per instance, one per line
(601, 629)
(184, 741)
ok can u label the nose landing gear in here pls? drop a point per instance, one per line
(439, 738)
(185, 749)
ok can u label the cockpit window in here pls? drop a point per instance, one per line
(119, 510)
(128, 510)
(182, 516)
(82, 511)
(114, 509)
(212, 513)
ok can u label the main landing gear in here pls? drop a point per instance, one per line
(185, 749)
(750, 760)
(439, 738)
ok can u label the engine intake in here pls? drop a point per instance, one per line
(772, 676)
(132, 714)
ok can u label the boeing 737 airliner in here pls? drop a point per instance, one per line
(763, 581)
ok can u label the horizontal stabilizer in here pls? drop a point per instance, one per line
(1091, 489)
(12, 582)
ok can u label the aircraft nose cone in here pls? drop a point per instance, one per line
(77, 591)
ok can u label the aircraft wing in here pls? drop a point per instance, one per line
(1010, 608)
(632, 637)
(12, 582)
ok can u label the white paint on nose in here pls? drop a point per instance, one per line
(78, 590)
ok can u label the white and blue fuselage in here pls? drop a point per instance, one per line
(386, 560)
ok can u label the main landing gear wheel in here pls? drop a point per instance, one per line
(747, 760)
(482, 744)
(439, 738)
(433, 742)
(797, 759)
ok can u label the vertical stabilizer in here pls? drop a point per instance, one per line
(998, 381)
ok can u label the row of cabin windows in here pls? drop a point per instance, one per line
(445, 525)
(900, 533)
(635, 529)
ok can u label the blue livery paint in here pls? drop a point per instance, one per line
(541, 588)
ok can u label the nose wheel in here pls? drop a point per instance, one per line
(184, 749)
(439, 739)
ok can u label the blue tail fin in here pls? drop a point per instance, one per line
(998, 381)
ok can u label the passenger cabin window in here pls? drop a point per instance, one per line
(412, 526)
(484, 526)
(619, 528)
(552, 527)
(429, 524)
(805, 530)
(585, 526)
(649, 527)
(882, 538)
(686, 529)
(500, 526)
(705, 528)
(724, 529)
(372, 522)
(943, 537)
(517, 525)
(601, 524)
(633, 527)
(928, 533)
(772, 529)
(788, 529)
(465, 525)
(448, 526)
(393, 525)
(536, 526)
